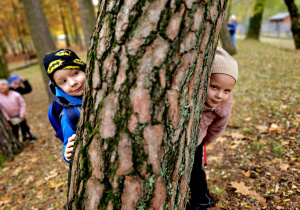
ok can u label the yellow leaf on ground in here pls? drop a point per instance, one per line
(297, 120)
(275, 128)
(262, 129)
(247, 173)
(284, 166)
(17, 171)
(261, 199)
(247, 119)
(5, 200)
(236, 135)
(241, 188)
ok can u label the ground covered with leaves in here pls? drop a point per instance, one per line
(254, 165)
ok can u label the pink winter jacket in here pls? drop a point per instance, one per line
(12, 104)
(213, 123)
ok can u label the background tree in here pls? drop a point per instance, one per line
(9, 145)
(4, 74)
(88, 19)
(225, 37)
(147, 71)
(256, 19)
(63, 21)
(77, 38)
(295, 17)
(40, 33)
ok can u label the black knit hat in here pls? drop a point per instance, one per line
(62, 59)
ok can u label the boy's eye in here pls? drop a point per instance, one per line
(214, 87)
(76, 72)
(227, 91)
(63, 81)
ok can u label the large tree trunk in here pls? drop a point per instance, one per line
(255, 20)
(9, 145)
(88, 19)
(40, 33)
(148, 68)
(295, 16)
(4, 74)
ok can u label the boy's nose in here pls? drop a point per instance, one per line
(72, 82)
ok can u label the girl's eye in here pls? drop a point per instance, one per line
(214, 87)
(227, 91)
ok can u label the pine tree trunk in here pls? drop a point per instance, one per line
(256, 19)
(87, 17)
(4, 74)
(9, 145)
(40, 33)
(148, 68)
(295, 17)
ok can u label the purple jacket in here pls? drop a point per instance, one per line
(213, 123)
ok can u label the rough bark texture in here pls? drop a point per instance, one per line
(87, 17)
(147, 68)
(226, 40)
(4, 74)
(9, 145)
(40, 33)
(295, 16)
(255, 20)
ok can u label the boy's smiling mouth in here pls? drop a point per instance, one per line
(78, 89)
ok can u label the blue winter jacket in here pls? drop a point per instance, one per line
(65, 100)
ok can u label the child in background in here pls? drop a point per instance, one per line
(215, 117)
(13, 107)
(22, 86)
(67, 74)
(19, 84)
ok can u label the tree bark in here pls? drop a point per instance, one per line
(40, 34)
(19, 31)
(4, 74)
(295, 17)
(9, 145)
(255, 20)
(147, 73)
(87, 17)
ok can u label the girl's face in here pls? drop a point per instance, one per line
(70, 81)
(219, 89)
(4, 88)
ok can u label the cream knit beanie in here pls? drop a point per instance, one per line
(224, 64)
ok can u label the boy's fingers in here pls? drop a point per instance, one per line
(69, 150)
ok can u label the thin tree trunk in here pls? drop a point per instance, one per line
(63, 20)
(87, 17)
(6, 38)
(40, 34)
(256, 19)
(4, 74)
(9, 145)
(147, 71)
(77, 37)
(19, 31)
(295, 17)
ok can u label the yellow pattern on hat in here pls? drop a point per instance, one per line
(63, 52)
(78, 61)
(71, 67)
(54, 65)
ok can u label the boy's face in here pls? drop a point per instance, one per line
(15, 84)
(4, 88)
(219, 89)
(70, 81)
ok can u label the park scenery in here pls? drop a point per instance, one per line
(148, 69)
